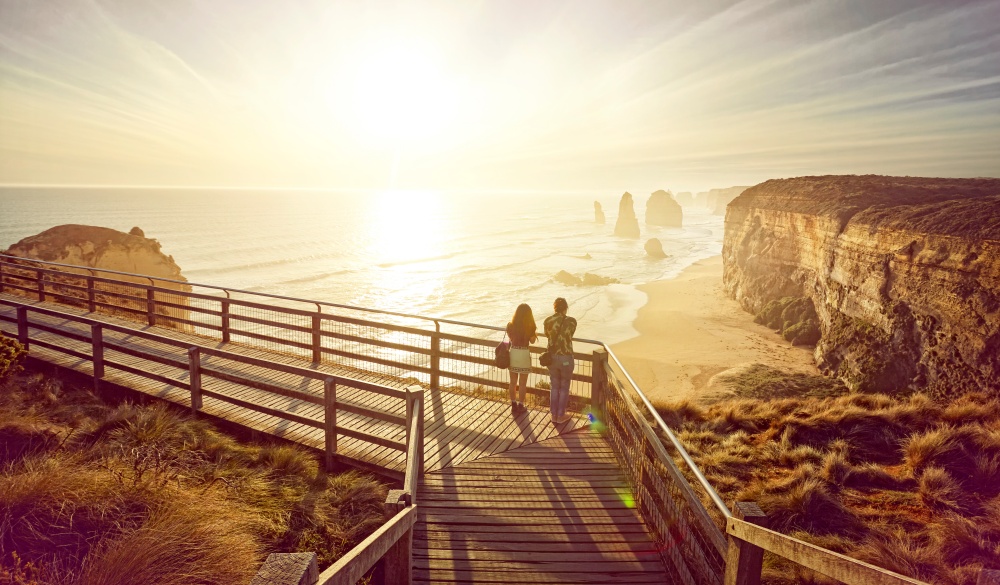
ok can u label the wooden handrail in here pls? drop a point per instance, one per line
(351, 567)
(256, 320)
(834, 565)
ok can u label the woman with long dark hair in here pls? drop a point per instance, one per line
(522, 332)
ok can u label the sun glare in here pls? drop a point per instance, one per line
(402, 94)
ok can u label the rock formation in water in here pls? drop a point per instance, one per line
(685, 199)
(598, 213)
(701, 199)
(654, 248)
(99, 247)
(718, 199)
(587, 279)
(662, 210)
(903, 275)
(627, 225)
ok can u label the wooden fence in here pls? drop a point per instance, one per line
(92, 344)
(434, 352)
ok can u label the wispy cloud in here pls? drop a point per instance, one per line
(556, 94)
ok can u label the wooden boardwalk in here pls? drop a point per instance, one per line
(555, 511)
(505, 499)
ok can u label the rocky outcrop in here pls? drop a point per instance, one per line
(903, 274)
(587, 279)
(654, 248)
(627, 225)
(99, 247)
(685, 199)
(718, 199)
(662, 210)
(598, 213)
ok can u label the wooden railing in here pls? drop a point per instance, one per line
(91, 343)
(390, 548)
(434, 352)
(698, 547)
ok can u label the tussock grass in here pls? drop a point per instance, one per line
(92, 493)
(907, 483)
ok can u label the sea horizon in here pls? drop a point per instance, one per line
(428, 253)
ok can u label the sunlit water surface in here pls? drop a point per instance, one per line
(466, 257)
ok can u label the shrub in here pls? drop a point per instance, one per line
(12, 353)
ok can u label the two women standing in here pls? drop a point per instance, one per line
(559, 328)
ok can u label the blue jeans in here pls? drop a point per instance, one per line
(560, 372)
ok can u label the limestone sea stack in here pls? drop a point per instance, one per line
(587, 279)
(627, 225)
(662, 210)
(598, 213)
(685, 199)
(654, 248)
(903, 274)
(99, 247)
(718, 199)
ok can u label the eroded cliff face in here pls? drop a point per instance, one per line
(99, 247)
(904, 274)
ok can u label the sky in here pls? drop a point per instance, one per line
(495, 95)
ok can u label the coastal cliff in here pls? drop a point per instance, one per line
(903, 274)
(108, 249)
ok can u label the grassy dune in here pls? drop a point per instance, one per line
(909, 484)
(93, 493)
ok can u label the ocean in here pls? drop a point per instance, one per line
(468, 257)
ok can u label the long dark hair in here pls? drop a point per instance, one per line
(524, 322)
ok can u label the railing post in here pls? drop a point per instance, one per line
(397, 564)
(90, 294)
(598, 381)
(225, 320)
(330, 421)
(151, 306)
(1, 275)
(412, 393)
(194, 367)
(22, 326)
(436, 356)
(97, 352)
(743, 559)
(317, 356)
(40, 281)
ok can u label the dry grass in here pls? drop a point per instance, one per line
(92, 493)
(909, 484)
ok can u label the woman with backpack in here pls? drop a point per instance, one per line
(522, 332)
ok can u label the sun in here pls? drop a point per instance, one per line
(402, 94)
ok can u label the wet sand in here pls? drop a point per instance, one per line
(691, 335)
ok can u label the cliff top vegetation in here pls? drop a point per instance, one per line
(961, 207)
(909, 484)
(134, 494)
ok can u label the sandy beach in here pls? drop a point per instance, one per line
(690, 332)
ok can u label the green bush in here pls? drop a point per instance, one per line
(12, 353)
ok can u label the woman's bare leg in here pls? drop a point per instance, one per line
(512, 390)
(522, 387)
